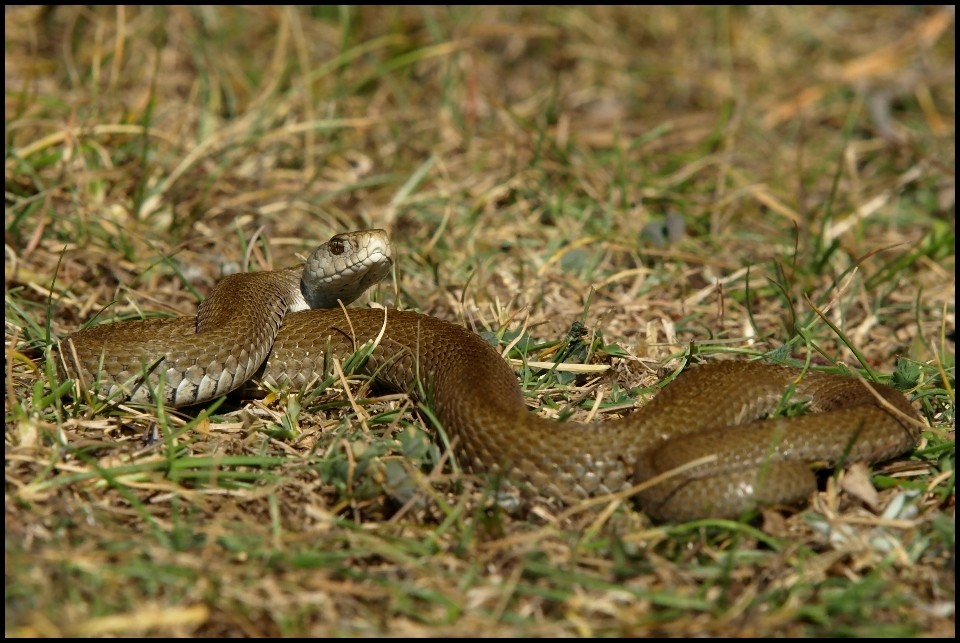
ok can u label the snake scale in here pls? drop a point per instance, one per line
(703, 428)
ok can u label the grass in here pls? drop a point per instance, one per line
(530, 165)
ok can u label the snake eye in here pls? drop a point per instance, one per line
(336, 246)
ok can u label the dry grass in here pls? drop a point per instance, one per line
(525, 162)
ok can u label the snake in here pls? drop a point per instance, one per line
(707, 445)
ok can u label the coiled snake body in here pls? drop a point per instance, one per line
(254, 325)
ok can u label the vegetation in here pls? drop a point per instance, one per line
(628, 188)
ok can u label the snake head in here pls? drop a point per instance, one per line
(345, 266)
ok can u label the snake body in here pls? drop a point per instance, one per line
(706, 422)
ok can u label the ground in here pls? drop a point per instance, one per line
(687, 183)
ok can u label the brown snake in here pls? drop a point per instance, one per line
(705, 423)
